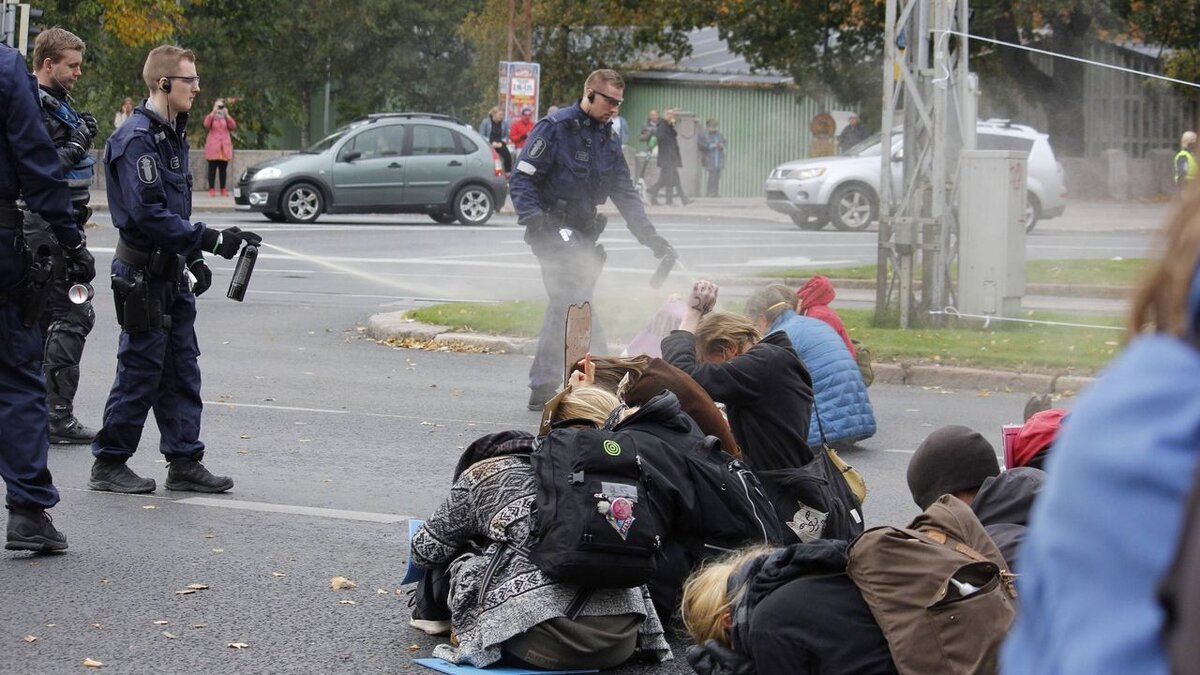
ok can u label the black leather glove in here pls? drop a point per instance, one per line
(81, 138)
(83, 213)
(661, 247)
(80, 265)
(89, 121)
(200, 270)
(227, 242)
(538, 228)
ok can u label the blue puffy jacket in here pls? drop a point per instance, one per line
(842, 401)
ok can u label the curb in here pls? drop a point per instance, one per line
(395, 326)
(1049, 290)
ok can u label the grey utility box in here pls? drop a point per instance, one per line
(991, 232)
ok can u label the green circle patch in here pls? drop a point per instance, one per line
(612, 448)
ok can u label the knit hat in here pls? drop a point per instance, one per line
(1038, 433)
(950, 459)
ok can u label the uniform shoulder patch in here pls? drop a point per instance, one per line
(147, 169)
(538, 148)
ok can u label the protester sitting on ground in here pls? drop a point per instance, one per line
(1108, 522)
(1035, 437)
(765, 387)
(521, 617)
(959, 461)
(843, 406)
(786, 610)
(812, 300)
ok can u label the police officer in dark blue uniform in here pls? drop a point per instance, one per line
(150, 198)
(58, 64)
(29, 170)
(571, 163)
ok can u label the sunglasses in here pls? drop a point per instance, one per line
(613, 101)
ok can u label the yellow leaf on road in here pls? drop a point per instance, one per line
(161, 622)
(169, 635)
(347, 602)
(278, 574)
(198, 587)
(339, 583)
(30, 638)
(92, 663)
(186, 591)
(238, 645)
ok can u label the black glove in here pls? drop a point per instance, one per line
(81, 138)
(80, 265)
(200, 270)
(538, 228)
(83, 213)
(660, 246)
(226, 242)
(89, 120)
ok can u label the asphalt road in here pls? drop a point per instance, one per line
(335, 442)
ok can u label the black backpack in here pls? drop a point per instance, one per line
(591, 523)
(731, 502)
(814, 501)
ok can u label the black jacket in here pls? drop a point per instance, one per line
(1003, 504)
(767, 393)
(668, 145)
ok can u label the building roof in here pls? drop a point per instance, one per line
(710, 62)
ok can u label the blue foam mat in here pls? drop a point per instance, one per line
(443, 666)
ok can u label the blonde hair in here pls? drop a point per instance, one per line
(52, 43)
(603, 75)
(1161, 302)
(721, 330)
(769, 302)
(1187, 139)
(162, 61)
(610, 370)
(706, 600)
(587, 402)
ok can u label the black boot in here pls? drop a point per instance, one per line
(189, 475)
(68, 430)
(111, 475)
(33, 530)
(539, 395)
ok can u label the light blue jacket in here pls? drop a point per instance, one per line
(842, 401)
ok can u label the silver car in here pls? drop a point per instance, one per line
(384, 163)
(844, 190)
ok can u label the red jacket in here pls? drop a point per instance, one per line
(813, 300)
(519, 131)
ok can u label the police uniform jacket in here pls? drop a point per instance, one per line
(29, 166)
(570, 165)
(150, 185)
(61, 119)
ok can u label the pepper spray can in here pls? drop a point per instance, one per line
(241, 273)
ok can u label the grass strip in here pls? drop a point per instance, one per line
(1097, 272)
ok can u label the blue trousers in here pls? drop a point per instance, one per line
(24, 435)
(569, 275)
(156, 370)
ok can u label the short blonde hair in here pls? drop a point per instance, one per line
(721, 330)
(586, 402)
(53, 43)
(706, 598)
(162, 61)
(1188, 138)
(603, 75)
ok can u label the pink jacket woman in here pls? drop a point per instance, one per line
(219, 145)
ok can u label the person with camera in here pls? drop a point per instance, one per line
(572, 163)
(218, 145)
(30, 170)
(159, 251)
(57, 65)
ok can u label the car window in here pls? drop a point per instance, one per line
(997, 142)
(365, 144)
(326, 143)
(468, 146)
(430, 140)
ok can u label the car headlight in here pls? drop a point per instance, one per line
(268, 173)
(805, 174)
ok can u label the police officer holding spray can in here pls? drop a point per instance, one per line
(30, 170)
(158, 253)
(571, 163)
(66, 319)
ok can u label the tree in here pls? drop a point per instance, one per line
(1176, 27)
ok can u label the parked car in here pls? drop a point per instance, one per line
(382, 163)
(844, 190)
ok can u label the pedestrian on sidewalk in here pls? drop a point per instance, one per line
(571, 164)
(669, 162)
(146, 165)
(712, 150)
(1186, 167)
(218, 146)
(518, 131)
(123, 113)
(494, 128)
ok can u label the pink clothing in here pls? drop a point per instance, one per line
(219, 144)
(813, 300)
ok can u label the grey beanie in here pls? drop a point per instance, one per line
(950, 459)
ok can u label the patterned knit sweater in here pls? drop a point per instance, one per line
(491, 501)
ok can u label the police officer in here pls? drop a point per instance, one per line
(58, 60)
(571, 163)
(150, 198)
(1186, 167)
(29, 169)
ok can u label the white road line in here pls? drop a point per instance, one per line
(329, 411)
(267, 507)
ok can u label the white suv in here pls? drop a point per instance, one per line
(844, 190)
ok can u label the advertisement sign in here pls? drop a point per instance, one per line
(520, 86)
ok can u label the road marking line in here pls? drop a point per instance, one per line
(286, 408)
(266, 507)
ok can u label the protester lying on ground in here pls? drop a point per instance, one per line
(1036, 436)
(765, 387)
(843, 406)
(959, 461)
(1108, 522)
(520, 618)
(784, 610)
(812, 300)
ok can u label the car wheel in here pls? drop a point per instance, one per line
(473, 205)
(807, 222)
(275, 217)
(302, 203)
(1033, 211)
(853, 208)
(443, 218)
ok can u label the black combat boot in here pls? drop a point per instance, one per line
(190, 475)
(111, 475)
(33, 530)
(68, 430)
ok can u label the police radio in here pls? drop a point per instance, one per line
(241, 273)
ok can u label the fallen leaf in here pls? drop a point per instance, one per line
(30, 638)
(338, 583)
(161, 622)
(278, 574)
(199, 625)
(380, 591)
(244, 436)
(347, 602)
(169, 635)
(149, 506)
(210, 536)
(198, 587)
(92, 663)
(238, 645)
(414, 648)
(51, 625)
(97, 626)
(218, 550)
(186, 591)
